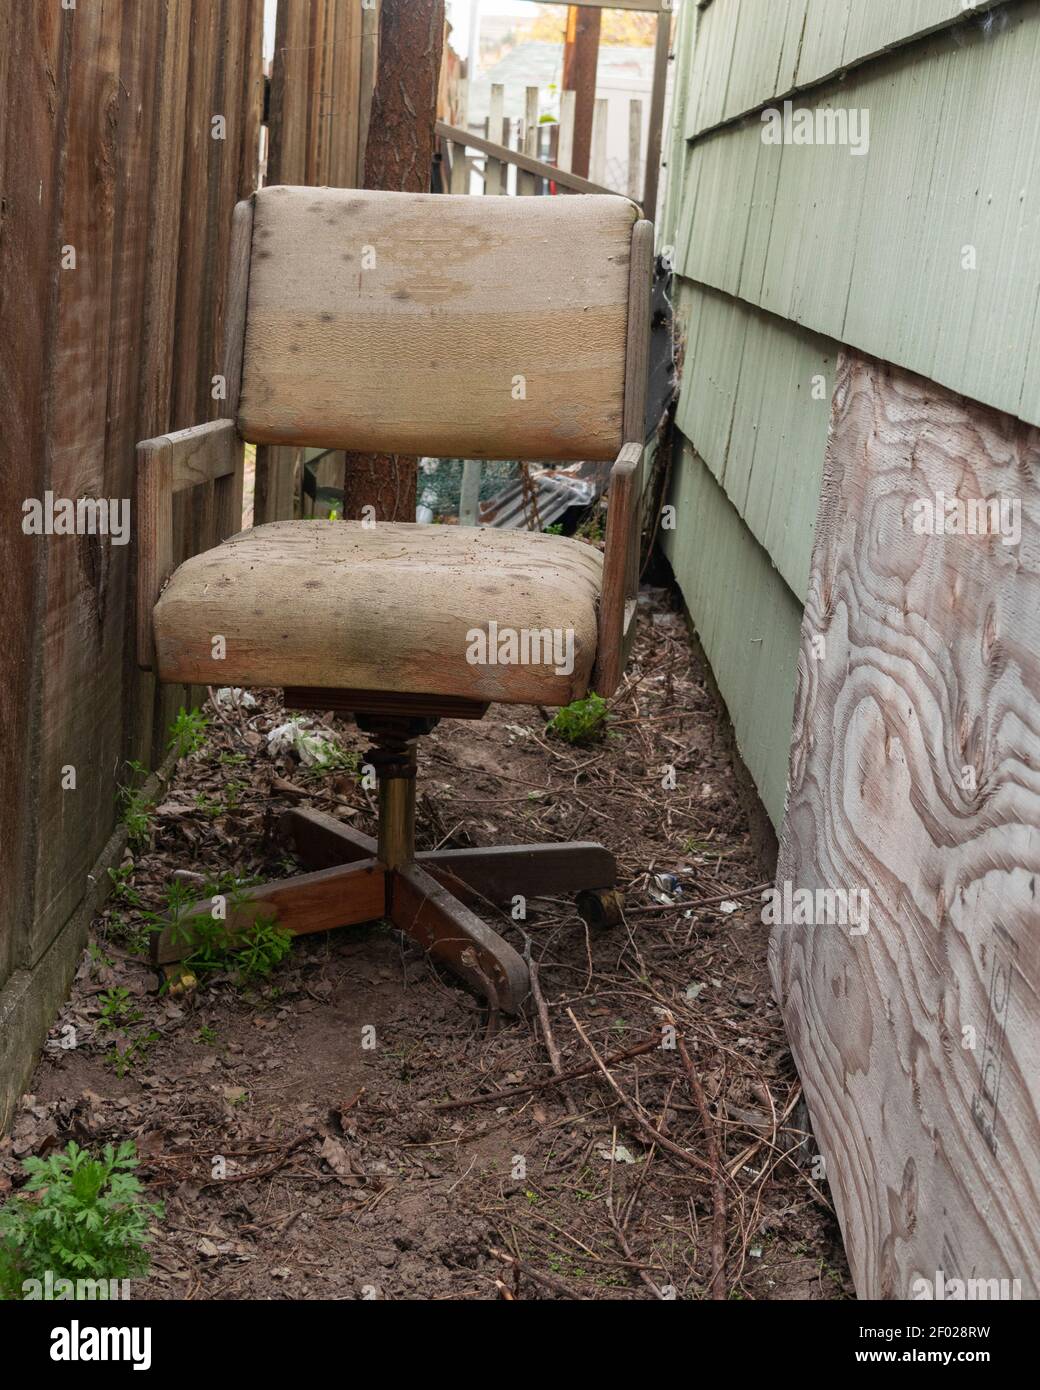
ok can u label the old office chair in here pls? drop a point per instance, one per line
(449, 326)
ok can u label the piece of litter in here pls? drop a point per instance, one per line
(620, 1154)
(234, 697)
(293, 736)
(727, 907)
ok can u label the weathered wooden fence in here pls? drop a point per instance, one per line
(322, 78)
(527, 156)
(128, 131)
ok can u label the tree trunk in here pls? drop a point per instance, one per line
(398, 159)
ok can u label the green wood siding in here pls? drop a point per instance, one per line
(750, 52)
(755, 403)
(783, 253)
(868, 250)
(747, 620)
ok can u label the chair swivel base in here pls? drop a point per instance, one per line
(429, 895)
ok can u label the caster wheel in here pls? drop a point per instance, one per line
(599, 907)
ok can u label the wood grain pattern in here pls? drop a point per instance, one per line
(105, 150)
(914, 775)
(93, 387)
(472, 327)
(115, 318)
(338, 604)
(33, 129)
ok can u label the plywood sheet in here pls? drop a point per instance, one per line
(915, 777)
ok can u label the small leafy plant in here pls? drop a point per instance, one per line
(136, 807)
(253, 951)
(116, 1009)
(581, 720)
(123, 890)
(188, 732)
(591, 529)
(263, 946)
(130, 1052)
(79, 1217)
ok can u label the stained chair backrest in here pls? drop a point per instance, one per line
(451, 326)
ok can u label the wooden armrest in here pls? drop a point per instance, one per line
(166, 465)
(617, 600)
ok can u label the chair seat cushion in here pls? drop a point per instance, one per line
(466, 611)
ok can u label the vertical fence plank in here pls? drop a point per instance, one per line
(598, 158)
(460, 169)
(635, 149)
(35, 51)
(366, 83)
(565, 156)
(662, 50)
(469, 497)
(529, 183)
(321, 83)
(80, 716)
(495, 129)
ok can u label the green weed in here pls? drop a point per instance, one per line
(581, 720)
(79, 1217)
(187, 732)
(117, 1011)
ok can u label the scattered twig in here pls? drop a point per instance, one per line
(718, 1183)
(622, 1239)
(537, 1276)
(543, 1019)
(643, 1123)
(573, 1074)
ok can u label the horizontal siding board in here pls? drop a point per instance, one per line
(747, 621)
(752, 52)
(867, 250)
(748, 407)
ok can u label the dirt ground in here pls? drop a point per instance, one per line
(433, 1158)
